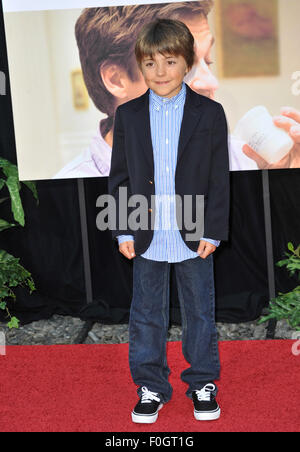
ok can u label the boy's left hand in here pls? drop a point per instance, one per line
(205, 249)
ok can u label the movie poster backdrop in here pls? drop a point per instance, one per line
(71, 64)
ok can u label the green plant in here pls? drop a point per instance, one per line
(287, 306)
(12, 274)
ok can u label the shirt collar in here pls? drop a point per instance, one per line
(159, 101)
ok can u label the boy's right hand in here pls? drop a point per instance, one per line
(127, 249)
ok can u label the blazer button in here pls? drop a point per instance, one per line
(150, 210)
(150, 182)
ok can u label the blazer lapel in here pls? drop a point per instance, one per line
(191, 115)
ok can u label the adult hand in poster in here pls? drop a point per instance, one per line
(290, 122)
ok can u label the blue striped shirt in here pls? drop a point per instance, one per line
(165, 120)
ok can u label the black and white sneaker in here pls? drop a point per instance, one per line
(205, 406)
(146, 410)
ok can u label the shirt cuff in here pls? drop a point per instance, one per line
(213, 242)
(125, 238)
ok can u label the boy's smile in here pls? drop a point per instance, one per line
(164, 74)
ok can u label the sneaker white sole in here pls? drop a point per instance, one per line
(207, 415)
(145, 419)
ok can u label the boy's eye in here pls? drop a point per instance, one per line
(169, 62)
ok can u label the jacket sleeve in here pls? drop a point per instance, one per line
(216, 218)
(118, 180)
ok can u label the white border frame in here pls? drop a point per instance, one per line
(42, 5)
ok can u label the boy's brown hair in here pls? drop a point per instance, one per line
(108, 35)
(165, 36)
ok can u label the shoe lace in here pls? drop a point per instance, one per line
(148, 396)
(204, 394)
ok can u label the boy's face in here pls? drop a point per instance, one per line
(164, 74)
(200, 78)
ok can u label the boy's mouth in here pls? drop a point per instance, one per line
(161, 83)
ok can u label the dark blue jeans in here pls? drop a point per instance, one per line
(149, 323)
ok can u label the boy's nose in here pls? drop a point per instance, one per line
(160, 70)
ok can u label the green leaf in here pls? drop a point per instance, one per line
(265, 318)
(13, 323)
(32, 187)
(12, 274)
(291, 246)
(5, 163)
(5, 225)
(282, 263)
(13, 186)
(9, 169)
(31, 284)
(5, 257)
(4, 292)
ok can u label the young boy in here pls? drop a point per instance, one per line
(171, 141)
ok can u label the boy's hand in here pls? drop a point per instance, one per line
(127, 249)
(205, 249)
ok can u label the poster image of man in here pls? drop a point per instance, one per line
(112, 78)
(64, 110)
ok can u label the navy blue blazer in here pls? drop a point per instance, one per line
(202, 165)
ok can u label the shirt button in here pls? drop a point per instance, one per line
(167, 113)
(167, 169)
(167, 141)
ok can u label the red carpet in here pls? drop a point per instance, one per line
(88, 388)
